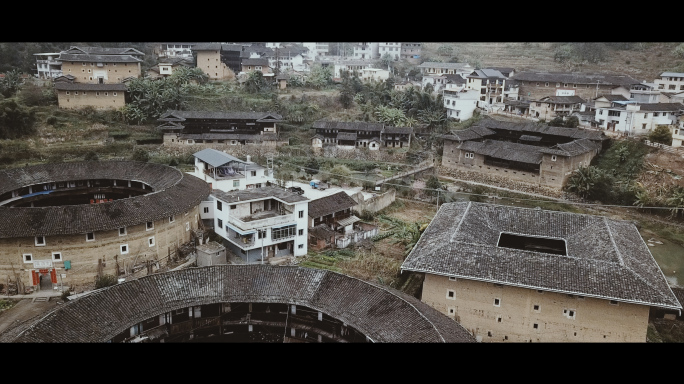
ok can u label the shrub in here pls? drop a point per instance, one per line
(105, 281)
(51, 120)
(141, 155)
(661, 135)
(91, 156)
(65, 295)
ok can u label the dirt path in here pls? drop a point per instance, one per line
(17, 318)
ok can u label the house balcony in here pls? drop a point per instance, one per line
(262, 219)
(224, 174)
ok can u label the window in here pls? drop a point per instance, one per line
(106, 93)
(540, 291)
(301, 214)
(452, 311)
(150, 241)
(613, 302)
(124, 249)
(283, 232)
(219, 205)
(535, 326)
(122, 231)
(553, 157)
(300, 246)
(655, 114)
(497, 302)
(67, 92)
(569, 313)
(171, 219)
(114, 93)
(233, 206)
(546, 84)
(253, 173)
(301, 232)
(40, 240)
(187, 226)
(75, 93)
(56, 256)
(536, 307)
(557, 84)
(150, 225)
(28, 258)
(451, 294)
(672, 86)
(236, 183)
(206, 209)
(451, 278)
(90, 236)
(219, 223)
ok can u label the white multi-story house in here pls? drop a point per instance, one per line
(288, 59)
(435, 68)
(374, 75)
(490, 83)
(316, 50)
(366, 51)
(227, 173)
(261, 224)
(48, 65)
(393, 49)
(171, 50)
(460, 104)
(670, 82)
(677, 130)
(637, 119)
(351, 66)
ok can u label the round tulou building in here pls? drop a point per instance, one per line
(63, 223)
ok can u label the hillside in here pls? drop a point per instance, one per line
(643, 61)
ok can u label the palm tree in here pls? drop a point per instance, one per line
(676, 200)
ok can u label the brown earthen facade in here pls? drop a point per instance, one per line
(95, 99)
(132, 245)
(503, 313)
(110, 73)
(210, 63)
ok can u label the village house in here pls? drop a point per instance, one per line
(365, 51)
(219, 129)
(291, 58)
(391, 49)
(351, 66)
(333, 223)
(165, 67)
(218, 61)
(227, 173)
(72, 95)
(411, 52)
(315, 50)
(48, 65)
(490, 83)
(251, 65)
(530, 153)
(677, 123)
(535, 85)
(174, 50)
(670, 82)
(95, 65)
(460, 104)
(632, 119)
(434, 68)
(403, 85)
(549, 107)
(351, 135)
(510, 274)
(260, 224)
(374, 75)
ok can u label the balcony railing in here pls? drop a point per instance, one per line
(261, 219)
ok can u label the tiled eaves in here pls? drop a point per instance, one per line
(174, 193)
(383, 314)
(606, 258)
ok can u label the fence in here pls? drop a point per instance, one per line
(664, 147)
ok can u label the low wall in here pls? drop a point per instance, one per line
(376, 202)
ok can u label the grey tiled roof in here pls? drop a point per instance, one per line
(257, 61)
(206, 47)
(522, 153)
(174, 115)
(562, 99)
(346, 136)
(330, 204)
(100, 58)
(400, 130)
(228, 136)
(215, 158)
(174, 192)
(382, 314)
(606, 258)
(347, 125)
(472, 133)
(432, 64)
(103, 51)
(63, 86)
(258, 193)
(575, 78)
(574, 133)
(572, 148)
(661, 107)
(613, 97)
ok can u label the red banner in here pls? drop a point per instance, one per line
(53, 275)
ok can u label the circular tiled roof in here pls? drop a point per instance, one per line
(174, 193)
(382, 314)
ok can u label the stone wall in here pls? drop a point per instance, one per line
(374, 203)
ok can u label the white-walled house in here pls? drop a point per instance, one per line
(374, 75)
(48, 65)
(227, 173)
(260, 224)
(670, 82)
(392, 49)
(351, 66)
(460, 104)
(637, 119)
(677, 130)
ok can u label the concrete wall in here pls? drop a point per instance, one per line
(473, 306)
(84, 254)
(375, 203)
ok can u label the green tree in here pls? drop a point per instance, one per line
(445, 50)
(676, 200)
(679, 51)
(10, 84)
(386, 60)
(590, 183)
(572, 122)
(320, 77)
(256, 83)
(347, 91)
(661, 134)
(404, 233)
(140, 155)
(105, 281)
(16, 120)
